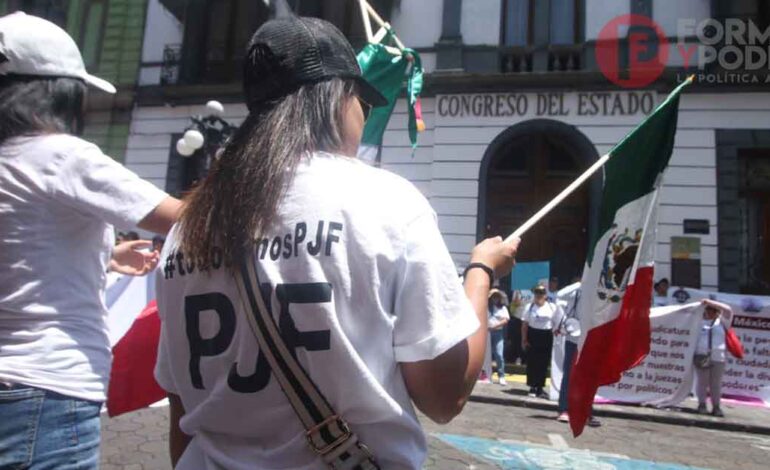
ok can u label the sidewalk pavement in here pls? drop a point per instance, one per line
(738, 417)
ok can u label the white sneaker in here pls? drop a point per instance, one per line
(502, 381)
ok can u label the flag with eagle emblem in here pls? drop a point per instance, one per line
(617, 279)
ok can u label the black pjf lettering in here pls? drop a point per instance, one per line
(254, 382)
(200, 347)
(315, 249)
(275, 248)
(331, 237)
(309, 293)
(261, 377)
(287, 246)
(180, 263)
(168, 267)
(299, 236)
(190, 265)
(262, 248)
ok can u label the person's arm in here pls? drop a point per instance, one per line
(177, 440)
(501, 324)
(440, 387)
(160, 219)
(127, 259)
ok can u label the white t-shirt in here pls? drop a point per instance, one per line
(544, 317)
(497, 315)
(718, 342)
(58, 196)
(571, 311)
(362, 247)
(660, 300)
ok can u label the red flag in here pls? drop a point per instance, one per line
(132, 380)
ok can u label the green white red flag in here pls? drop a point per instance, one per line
(389, 73)
(617, 279)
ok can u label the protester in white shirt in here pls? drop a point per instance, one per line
(710, 355)
(541, 320)
(570, 328)
(498, 319)
(660, 293)
(351, 263)
(59, 199)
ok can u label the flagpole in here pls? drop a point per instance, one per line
(562, 196)
(367, 12)
(365, 17)
(575, 184)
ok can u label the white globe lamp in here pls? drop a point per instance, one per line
(215, 108)
(193, 139)
(183, 149)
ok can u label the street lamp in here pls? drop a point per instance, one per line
(201, 140)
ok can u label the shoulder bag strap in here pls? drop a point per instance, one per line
(327, 433)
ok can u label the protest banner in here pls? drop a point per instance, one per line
(665, 377)
(747, 378)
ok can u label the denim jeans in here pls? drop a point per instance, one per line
(40, 429)
(497, 338)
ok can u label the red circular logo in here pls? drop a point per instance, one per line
(635, 60)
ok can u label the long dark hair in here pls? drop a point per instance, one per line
(239, 197)
(40, 105)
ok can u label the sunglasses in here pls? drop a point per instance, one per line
(366, 108)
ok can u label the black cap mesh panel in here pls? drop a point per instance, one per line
(288, 52)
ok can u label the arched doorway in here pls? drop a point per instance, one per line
(523, 169)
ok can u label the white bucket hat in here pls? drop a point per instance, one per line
(33, 46)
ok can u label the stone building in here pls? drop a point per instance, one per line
(517, 102)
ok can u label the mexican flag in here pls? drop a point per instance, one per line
(387, 73)
(617, 278)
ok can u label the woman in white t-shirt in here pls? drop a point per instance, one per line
(710, 354)
(540, 322)
(351, 265)
(59, 199)
(498, 319)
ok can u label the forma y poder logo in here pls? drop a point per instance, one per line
(632, 51)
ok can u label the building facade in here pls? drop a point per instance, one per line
(516, 106)
(109, 34)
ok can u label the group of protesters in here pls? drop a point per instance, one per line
(376, 305)
(547, 316)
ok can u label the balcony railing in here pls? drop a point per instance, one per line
(553, 58)
(516, 59)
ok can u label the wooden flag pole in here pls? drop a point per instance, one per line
(365, 17)
(562, 196)
(367, 13)
(566, 192)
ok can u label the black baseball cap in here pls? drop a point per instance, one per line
(288, 52)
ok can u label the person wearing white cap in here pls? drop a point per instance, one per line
(59, 199)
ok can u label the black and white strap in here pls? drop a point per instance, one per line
(327, 433)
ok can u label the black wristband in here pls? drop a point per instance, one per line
(484, 267)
